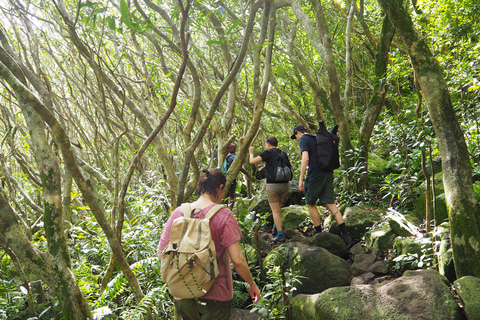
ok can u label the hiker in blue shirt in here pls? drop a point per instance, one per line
(226, 165)
(318, 183)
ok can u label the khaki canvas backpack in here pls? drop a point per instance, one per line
(189, 265)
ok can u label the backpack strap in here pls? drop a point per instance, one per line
(228, 159)
(187, 210)
(214, 210)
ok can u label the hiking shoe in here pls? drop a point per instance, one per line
(274, 230)
(278, 238)
(347, 238)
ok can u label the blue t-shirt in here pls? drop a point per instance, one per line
(309, 143)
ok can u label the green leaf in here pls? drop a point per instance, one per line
(264, 312)
(210, 42)
(112, 24)
(233, 26)
(124, 9)
(99, 10)
(137, 27)
(128, 24)
(86, 4)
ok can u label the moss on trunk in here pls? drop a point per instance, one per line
(457, 173)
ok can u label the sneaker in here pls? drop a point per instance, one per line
(274, 230)
(347, 238)
(278, 238)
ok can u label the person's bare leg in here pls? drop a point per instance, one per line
(344, 234)
(314, 214)
(276, 212)
(336, 213)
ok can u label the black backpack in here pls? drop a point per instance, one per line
(327, 154)
(281, 171)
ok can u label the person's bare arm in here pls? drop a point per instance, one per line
(240, 264)
(303, 170)
(253, 160)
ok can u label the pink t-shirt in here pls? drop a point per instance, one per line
(225, 231)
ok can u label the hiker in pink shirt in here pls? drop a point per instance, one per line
(216, 303)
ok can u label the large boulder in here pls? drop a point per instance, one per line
(401, 225)
(380, 240)
(445, 253)
(326, 240)
(420, 295)
(468, 289)
(362, 263)
(377, 168)
(317, 268)
(357, 219)
(293, 216)
(407, 251)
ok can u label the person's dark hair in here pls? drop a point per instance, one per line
(210, 180)
(273, 141)
(232, 148)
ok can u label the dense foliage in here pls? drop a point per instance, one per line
(106, 71)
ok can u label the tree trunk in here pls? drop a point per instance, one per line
(461, 201)
(190, 149)
(376, 100)
(53, 271)
(84, 185)
(267, 35)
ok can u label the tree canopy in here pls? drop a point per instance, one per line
(111, 109)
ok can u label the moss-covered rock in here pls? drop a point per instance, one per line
(413, 273)
(357, 219)
(303, 306)
(259, 202)
(318, 268)
(410, 249)
(445, 253)
(293, 216)
(423, 295)
(380, 268)
(332, 242)
(362, 263)
(380, 239)
(264, 245)
(413, 219)
(377, 167)
(400, 225)
(468, 289)
(294, 196)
